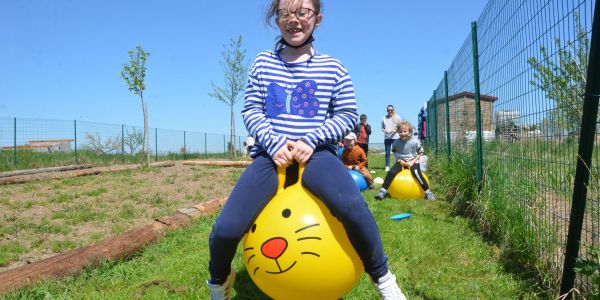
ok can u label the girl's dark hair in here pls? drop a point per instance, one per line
(272, 12)
(363, 116)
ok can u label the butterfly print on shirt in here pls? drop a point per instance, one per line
(301, 101)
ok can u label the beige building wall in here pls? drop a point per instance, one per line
(462, 115)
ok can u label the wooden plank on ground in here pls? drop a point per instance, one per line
(44, 170)
(76, 173)
(224, 163)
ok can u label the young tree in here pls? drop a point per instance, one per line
(563, 79)
(134, 74)
(96, 144)
(235, 67)
(133, 140)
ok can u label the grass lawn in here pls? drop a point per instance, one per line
(434, 254)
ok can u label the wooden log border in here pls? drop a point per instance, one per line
(224, 163)
(44, 170)
(113, 248)
(76, 173)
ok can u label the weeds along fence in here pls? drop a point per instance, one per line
(34, 143)
(521, 98)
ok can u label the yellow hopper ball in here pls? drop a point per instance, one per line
(297, 250)
(405, 186)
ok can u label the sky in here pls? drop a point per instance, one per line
(62, 59)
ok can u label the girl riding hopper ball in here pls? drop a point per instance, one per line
(297, 250)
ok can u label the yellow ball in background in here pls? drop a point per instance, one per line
(405, 186)
(297, 250)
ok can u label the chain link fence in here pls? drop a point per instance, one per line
(34, 143)
(513, 97)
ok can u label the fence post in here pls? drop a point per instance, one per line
(15, 143)
(156, 144)
(75, 134)
(584, 161)
(184, 146)
(428, 125)
(449, 146)
(435, 123)
(123, 142)
(224, 145)
(205, 146)
(479, 148)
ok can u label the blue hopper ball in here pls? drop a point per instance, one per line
(359, 180)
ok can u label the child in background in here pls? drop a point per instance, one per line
(363, 131)
(298, 104)
(408, 151)
(248, 144)
(354, 158)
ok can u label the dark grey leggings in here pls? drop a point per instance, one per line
(415, 171)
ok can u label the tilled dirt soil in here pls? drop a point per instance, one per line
(41, 218)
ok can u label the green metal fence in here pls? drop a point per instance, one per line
(33, 143)
(514, 97)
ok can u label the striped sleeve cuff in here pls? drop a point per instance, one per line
(272, 148)
(310, 140)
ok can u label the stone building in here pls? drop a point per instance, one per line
(462, 117)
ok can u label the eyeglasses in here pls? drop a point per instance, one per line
(390, 110)
(301, 14)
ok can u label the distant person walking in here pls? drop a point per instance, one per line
(389, 126)
(363, 131)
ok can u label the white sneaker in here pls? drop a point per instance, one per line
(222, 292)
(387, 169)
(388, 288)
(381, 195)
(429, 195)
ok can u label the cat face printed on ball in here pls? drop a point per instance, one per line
(296, 248)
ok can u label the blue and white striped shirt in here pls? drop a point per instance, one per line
(311, 100)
